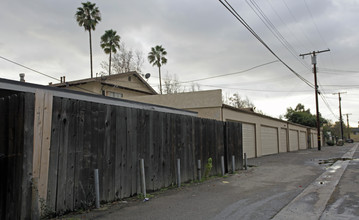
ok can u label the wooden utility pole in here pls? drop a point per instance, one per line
(347, 114)
(340, 114)
(314, 62)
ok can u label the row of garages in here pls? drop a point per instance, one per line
(276, 140)
(263, 135)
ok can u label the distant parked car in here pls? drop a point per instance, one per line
(349, 140)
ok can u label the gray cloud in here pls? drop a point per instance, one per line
(202, 39)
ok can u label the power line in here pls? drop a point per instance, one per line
(244, 23)
(36, 71)
(29, 68)
(229, 74)
(297, 22)
(276, 33)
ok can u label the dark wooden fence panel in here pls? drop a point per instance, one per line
(113, 139)
(234, 144)
(16, 132)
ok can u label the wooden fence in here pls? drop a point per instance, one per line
(16, 144)
(83, 136)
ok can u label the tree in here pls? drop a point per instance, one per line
(88, 16)
(110, 42)
(302, 116)
(157, 58)
(172, 85)
(124, 61)
(236, 101)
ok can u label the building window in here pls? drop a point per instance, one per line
(114, 94)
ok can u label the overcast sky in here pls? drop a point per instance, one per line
(202, 40)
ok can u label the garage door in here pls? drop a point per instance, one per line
(293, 140)
(269, 138)
(314, 140)
(302, 140)
(283, 140)
(249, 140)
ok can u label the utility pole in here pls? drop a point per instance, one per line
(347, 114)
(340, 114)
(314, 62)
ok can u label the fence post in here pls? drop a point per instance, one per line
(222, 163)
(233, 164)
(179, 172)
(143, 177)
(199, 170)
(97, 188)
(245, 161)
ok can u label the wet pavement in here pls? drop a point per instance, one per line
(283, 186)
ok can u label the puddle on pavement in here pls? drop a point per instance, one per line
(333, 160)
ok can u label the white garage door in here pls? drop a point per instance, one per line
(314, 140)
(293, 140)
(269, 138)
(283, 140)
(249, 140)
(302, 140)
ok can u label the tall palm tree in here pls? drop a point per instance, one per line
(110, 42)
(88, 16)
(157, 58)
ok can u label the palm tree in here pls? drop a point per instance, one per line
(88, 16)
(110, 41)
(157, 58)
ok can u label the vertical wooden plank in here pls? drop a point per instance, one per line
(79, 195)
(12, 156)
(129, 153)
(133, 155)
(166, 164)
(106, 152)
(143, 144)
(4, 148)
(62, 157)
(45, 146)
(19, 147)
(160, 152)
(125, 177)
(29, 106)
(37, 148)
(112, 153)
(150, 150)
(54, 154)
(3, 153)
(72, 113)
(93, 152)
(156, 151)
(100, 144)
(87, 197)
(118, 152)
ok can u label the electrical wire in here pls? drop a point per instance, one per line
(276, 33)
(229, 74)
(29, 68)
(244, 23)
(36, 71)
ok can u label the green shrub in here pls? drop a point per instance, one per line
(208, 168)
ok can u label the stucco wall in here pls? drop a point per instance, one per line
(192, 100)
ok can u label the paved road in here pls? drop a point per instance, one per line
(307, 184)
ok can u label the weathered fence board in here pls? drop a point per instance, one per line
(16, 138)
